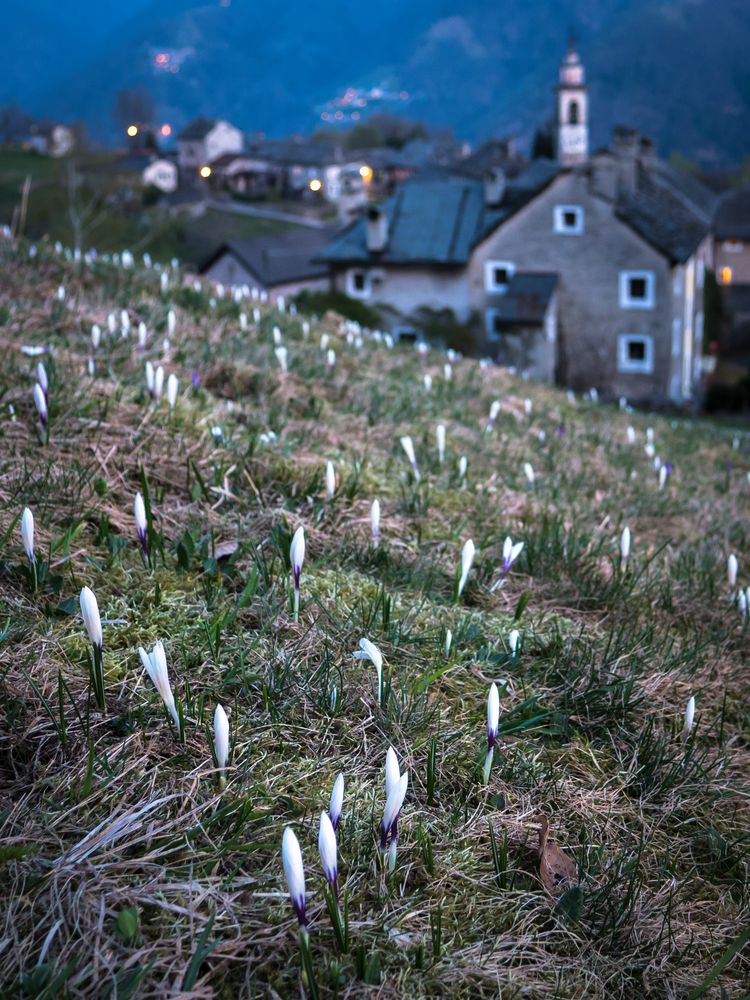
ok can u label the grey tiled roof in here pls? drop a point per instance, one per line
(289, 255)
(198, 128)
(437, 220)
(732, 219)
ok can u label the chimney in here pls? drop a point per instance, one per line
(626, 146)
(604, 170)
(377, 229)
(494, 187)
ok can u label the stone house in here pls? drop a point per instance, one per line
(204, 140)
(589, 270)
(282, 264)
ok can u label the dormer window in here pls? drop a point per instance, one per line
(637, 289)
(568, 220)
(497, 275)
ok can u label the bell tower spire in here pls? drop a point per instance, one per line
(572, 109)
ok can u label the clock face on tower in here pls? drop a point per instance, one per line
(573, 143)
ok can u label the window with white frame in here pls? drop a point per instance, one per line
(497, 275)
(568, 220)
(635, 354)
(358, 285)
(493, 324)
(637, 289)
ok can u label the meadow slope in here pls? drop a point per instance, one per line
(128, 871)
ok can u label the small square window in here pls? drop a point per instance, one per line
(568, 220)
(358, 284)
(358, 280)
(635, 354)
(497, 275)
(636, 289)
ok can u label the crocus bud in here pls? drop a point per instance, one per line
(171, 322)
(330, 359)
(27, 534)
(41, 377)
(631, 435)
(40, 402)
(463, 465)
(448, 645)
(625, 545)
(282, 356)
(155, 664)
(297, 559)
(221, 737)
(369, 651)
(142, 334)
(440, 434)
(427, 382)
(527, 406)
(494, 410)
(742, 603)
(96, 336)
(291, 857)
(467, 558)
(150, 378)
(337, 801)
(447, 372)
(330, 480)
(158, 383)
(141, 524)
(511, 552)
(389, 823)
(91, 619)
(513, 636)
(529, 472)
(172, 387)
(493, 722)
(327, 848)
(124, 322)
(408, 445)
(375, 522)
(663, 473)
(732, 567)
(689, 717)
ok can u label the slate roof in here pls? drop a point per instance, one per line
(289, 255)
(304, 154)
(437, 220)
(198, 128)
(732, 218)
(526, 300)
(662, 216)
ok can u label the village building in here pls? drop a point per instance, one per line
(731, 233)
(162, 174)
(282, 264)
(589, 270)
(204, 140)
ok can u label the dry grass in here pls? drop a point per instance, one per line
(127, 872)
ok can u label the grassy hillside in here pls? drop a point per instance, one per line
(129, 871)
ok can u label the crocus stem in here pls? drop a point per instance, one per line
(97, 677)
(296, 604)
(34, 576)
(392, 851)
(339, 922)
(307, 963)
(488, 766)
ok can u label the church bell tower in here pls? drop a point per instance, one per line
(572, 110)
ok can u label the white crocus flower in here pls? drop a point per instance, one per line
(96, 336)
(172, 387)
(689, 717)
(330, 480)
(513, 637)
(141, 522)
(395, 791)
(447, 372)
(529, 472)
(494, 410)
(41, 377)
(448, 642)
(155, 664)
(297, 559)
(91, 619)
(732, 567)
(40, 402)
(171, 322)
(493, 722)
(282, 356)
(463, 465)
(408, 445)
(375, 522)
(467, 559)
(440, 435)
(631, 435)
(27, 534)
(294, 869)
(336, 802)
(369, 651)
(328, 850)
(150, 378)
(527, 406)
(221, 739)
(158, 383)
(625, 545)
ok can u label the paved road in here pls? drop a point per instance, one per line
(240, 208)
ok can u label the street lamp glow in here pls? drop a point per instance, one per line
(205, 172)
(316, 184)
(132, 130)
(365, 173)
